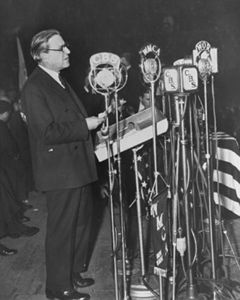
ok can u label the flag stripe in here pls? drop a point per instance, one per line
(226, 173)
(227, 203)
(229, 156)
(227, 180)
(225, 191)
(227, 168)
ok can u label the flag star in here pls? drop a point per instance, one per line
(139, 158)
(146, 165)
(144, 184)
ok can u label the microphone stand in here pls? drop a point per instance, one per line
(112, 219)
(165, 152)
(182, 103)
(154, 130)
(209, 187)
(139, 212)
(183, 141)
(151, 75)
(193, 191)
(122, 222)
(105, 67)
(174, 215)
(167, 165)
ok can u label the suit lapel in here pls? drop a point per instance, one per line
(64, 93)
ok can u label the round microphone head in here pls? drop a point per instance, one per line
(104, 75)
(150, 63)
(204, 67)
(105, 78)
(150, 66)
(151, 69)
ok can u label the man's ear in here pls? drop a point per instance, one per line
(40, 57)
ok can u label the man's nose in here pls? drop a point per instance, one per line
(67, 50)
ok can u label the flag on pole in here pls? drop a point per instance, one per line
(159, 231)
(158, 208)
(22, 70)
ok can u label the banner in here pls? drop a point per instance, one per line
(159, 231)
(22, 71)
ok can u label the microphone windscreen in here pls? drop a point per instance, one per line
(150, 66)
(105, 78)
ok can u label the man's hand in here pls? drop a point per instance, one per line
(94, 122)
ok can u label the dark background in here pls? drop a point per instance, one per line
(93, 26)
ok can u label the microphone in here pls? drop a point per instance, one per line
(150, 63)
(150, 66)
(205, 58)
(105, 74)
(181, 78)
(204, 67)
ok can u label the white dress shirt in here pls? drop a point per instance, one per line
(53, 74)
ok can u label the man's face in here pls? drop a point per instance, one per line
(146, 100)
(57, 56)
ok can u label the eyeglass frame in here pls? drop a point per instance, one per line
(61, 49)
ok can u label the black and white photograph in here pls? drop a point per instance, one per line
(119, 150)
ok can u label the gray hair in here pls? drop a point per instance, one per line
(39, 43)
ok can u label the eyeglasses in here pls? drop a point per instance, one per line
(61, 49)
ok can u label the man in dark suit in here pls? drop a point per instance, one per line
(63, 164)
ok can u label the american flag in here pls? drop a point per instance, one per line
(159, 230)
(226, 173)
(158, 207)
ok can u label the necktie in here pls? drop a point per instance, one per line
(62, 81)
(64, 85)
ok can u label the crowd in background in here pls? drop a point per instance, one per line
(16, 180)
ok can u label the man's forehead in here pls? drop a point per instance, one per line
(56, 40)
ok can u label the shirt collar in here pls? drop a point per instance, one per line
(53, 74)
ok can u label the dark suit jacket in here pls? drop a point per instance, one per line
(61, 146)
(12, 175)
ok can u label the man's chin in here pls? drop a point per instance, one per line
(66, 65)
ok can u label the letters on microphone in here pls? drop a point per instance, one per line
(105, 74)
